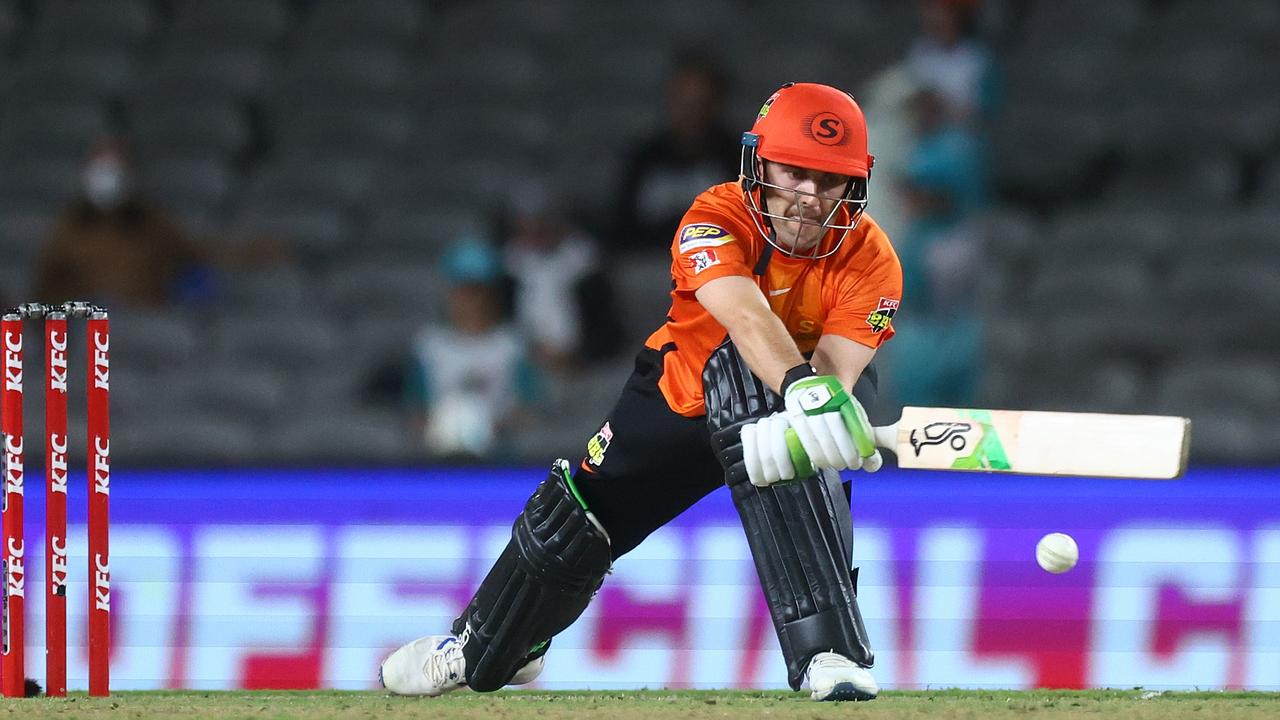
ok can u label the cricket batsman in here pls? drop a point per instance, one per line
(782, 290)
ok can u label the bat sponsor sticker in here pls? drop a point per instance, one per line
(702, 260)
(884, 312)
(701, 235)
(968, 442)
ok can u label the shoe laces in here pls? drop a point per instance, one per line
(829, 660)
(446, 665)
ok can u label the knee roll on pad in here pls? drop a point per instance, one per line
(554, 563)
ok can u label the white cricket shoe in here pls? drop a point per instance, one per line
(835, 677)
(429, 666)
(434, 665)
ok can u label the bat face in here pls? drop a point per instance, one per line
(1043, 443)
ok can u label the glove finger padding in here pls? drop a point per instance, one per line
(777, 446)
(821, 443)
(872, 463)
(751, 455)
(842, 439)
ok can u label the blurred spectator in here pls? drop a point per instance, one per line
(950, 58)
(560, 300)
(469, 376)
(936, 361)
(693, 150)
(114, 247)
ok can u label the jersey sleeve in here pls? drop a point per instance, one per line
(866, 302)
(707, 245)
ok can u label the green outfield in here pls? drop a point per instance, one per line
(651, 704)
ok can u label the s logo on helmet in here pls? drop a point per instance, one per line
(826, 128)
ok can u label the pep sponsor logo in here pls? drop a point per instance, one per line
(702, 235)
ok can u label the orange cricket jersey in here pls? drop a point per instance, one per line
(853, 293)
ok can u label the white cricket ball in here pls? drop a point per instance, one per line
(1057, 552)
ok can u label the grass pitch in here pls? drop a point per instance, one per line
(660, 704)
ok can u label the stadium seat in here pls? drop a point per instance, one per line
(187, 126)
(15, 282)
(253, 394)
(325, 73)
(22, 232)
(9, 25)
(1231, 404)
(1268, 194)
(386, 288)
(334, 23)
(1095, 385)
(40, 187)
(1213, 180)
(544, 24)
(1034, 161)
(1049, 23)
(1252, 22)
(378, 130)
(205, 75)
(418, 230)
(281, 342)
(1011, 235)
(1101, 287)
(197, 439)
(331, 388)
(492, 72)
(57, 133)
(76, 75)
(347, 436)
(644, 284)
(335, 182)
(1230, 304)
(139, 393)
(1221, 384)
(313, 231)
(204, 24)
(272, 289)
(62, 25)
(188, 183)
(1097, 234)
(550, 434)
(154, 340)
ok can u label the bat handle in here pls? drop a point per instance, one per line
(887, 436)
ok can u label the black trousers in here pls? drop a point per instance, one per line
(657, 463)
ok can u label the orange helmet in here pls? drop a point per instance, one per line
(810, 126)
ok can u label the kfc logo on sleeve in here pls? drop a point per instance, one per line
(884, 312)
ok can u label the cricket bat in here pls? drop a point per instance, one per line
(1039, 443)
